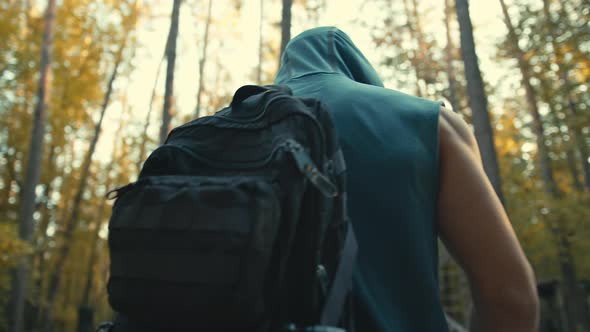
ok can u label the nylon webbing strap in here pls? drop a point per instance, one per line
(342, 281)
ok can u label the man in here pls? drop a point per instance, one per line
(414, 173)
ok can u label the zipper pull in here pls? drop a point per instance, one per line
(307, 167)
(118, 192)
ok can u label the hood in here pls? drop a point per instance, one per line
(325, 50)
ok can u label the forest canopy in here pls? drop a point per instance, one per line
(88, 88)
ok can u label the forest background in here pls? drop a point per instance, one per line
(88, 88)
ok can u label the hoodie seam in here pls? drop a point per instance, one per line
(317, 73)
(331, 52)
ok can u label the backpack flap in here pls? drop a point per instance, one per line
(195, 249)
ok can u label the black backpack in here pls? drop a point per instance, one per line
(237, 222)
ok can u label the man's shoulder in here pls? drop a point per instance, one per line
(455, 135)
(394, 98)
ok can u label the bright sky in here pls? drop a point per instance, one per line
(238, 54)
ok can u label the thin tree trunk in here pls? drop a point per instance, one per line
(577, 134)
(576, 306)
(260, 44)
(146, 125)
(450, 58)
(477, 98)
(41, 232)
(27, 205)
(43, 246)
(47, 193)
(573, 168)
(285, 26)
(538, 126)
(202, 60)
(565, 257)
(86, 308)
(569, 148)
(72, 222)
(425, 55)
(170, 63)
(576, 303)
(415, 59)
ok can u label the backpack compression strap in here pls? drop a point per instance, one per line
(342, 281)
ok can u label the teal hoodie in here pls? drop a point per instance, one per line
(390, 144)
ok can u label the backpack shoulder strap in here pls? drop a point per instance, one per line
(342, 283)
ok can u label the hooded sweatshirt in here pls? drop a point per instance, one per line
(390, 145)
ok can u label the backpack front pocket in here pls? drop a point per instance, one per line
(193, 248)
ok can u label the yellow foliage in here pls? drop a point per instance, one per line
(11, 250)
(11, 247)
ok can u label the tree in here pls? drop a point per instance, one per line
(202, 60)
(71, 222)
(422, 58)
(144, 137)
(575, 304)
(170, 63)
(260, 44)
(27, 205)
(477, 98)
(566, 88)
(532, 42)
(85, 310)
(285, 26)
(538, 126)
(449, 49)
(73, 218)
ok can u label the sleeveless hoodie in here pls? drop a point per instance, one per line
(390, 145)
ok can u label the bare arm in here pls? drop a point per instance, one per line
(476, 230)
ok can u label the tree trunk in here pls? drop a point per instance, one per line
(577, 134)
(71, 223)
(41, 231)
(202, 60)
(285, 26)
(477, 98)
(146, 125)
(170, 63)
(86, 309)
(27, 204)
(573, 168)
(569, 148)
(531, 97)
(453, 99)
(260, 44)
(416, 59)
(425, 56)
(576, 304)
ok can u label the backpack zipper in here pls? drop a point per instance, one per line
(303, 161)
(306, 114)
(308, 168)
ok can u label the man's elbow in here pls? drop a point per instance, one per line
(523, 305)
(515, 303)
